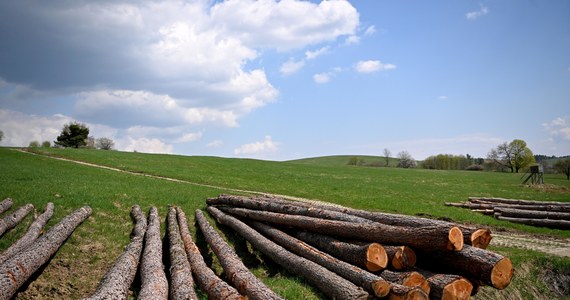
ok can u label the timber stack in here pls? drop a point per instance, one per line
(549, 214)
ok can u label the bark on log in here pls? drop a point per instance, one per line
(5, 205)
(400, 292)
(207, 280)
(448, 287)
(329, 283)
(400, 257)
(532, 214)
(407, 278)
(181, 283)
(487, 205)
(428, 238)
(375, 285)
(516, 201)
(116, 282)
(557, 224)
(31, 235)
(370, 256)
(154, 285)
(17, 269)
(237, 273)
(13, 219)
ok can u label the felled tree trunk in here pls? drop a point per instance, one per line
(181, 283)
(12, 220)
(448, 287)
(375, 285)
(516, 201)
(487, 205)
(428, 238)
(17, 269)
(154, 285)
(531, 214)
(400, 292)
(558, 224)
(207, 280)
(407, 278)
(33, 232)
(5, 205)
(329, 283)
(116, 282)
(400, 257)
(238, 274)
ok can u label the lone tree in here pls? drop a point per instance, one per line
(104, 143)
(1, 135)
(406, 160)
(387, 155)
(563, 166)
(514, 155)
(73, 135)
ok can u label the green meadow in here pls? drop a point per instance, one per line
(76, 269)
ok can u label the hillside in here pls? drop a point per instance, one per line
(343, 160)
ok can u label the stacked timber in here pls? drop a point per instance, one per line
(536, 213)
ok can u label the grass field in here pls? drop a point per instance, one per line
(78, 266)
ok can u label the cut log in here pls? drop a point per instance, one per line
(5, 205)
(207, 280)
(13, 219)
(407, 278)
(428, 238)
(370, 256)
(181, 283)
(17, 269)
(516, 201)
(31, 235)
(329, 283)
(154, 285)
(557, 224)
(488, 205)
(236, 272)
(448, 287)
(532, 214)
(400, 257)
(375, 285)
(400, 292)
(116, 282)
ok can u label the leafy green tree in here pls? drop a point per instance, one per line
(406, 160)
(73, 135)
(514, 155)
(46, 144)
(563, 166)
(34, 144)
(1, 135)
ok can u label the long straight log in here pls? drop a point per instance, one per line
(375, 285)
(407, 278)
(116, 282)
(237, 273)
(516, 201)
(488, 205)
(400, 257)
(532, 214)
(154, 285)
(332, 285)
(181, 283)
(5, 205)
(448, 286)
(13, 219)
(207, 280)
(17, 269)
(558, 224)
(427, 238)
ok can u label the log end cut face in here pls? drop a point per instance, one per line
(502, 273)
(404, 258)
(376, 258)
(455, 239)
(457, 290)
(417, 294)
(416, 279)
(381, 288)
(481, 238)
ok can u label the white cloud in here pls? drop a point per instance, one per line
(314, 54)
(371, 66)
(291, 66)
(558, 128)
(442, 98)
(146, 145)
(370, 30)
(189, 137)
(352, 40)
(20, 129)
(258, 148)
(474, 15)
(215, 144)
(322, 78)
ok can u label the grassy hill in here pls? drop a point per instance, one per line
(81, 262)
(343, 160)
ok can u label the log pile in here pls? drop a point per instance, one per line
(536, 213)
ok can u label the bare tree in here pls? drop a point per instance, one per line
(406, 160)
(105, 143)
(563, 166)
(1, 135)
(387, 155)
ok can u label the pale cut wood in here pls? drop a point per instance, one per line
(407, 278)
(449, 287)
(400, 257)
(5, 205)
(400, 292)
(154, 285)
(181, 282)
(10, 221)
(17, 269)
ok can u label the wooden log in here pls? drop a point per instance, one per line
(407, 278)
(116, 282)
(532, 214)
(329, 283)
(13, 219)
(236, 272)
(5, 205)
(516, 201)
(154, 285)
(181, 282)
(448, 286)
(31, 235)
(17, 269)
(207, 280)
(557, 224)
(375, 285)
(488, 205)
(400, 292)
(400, 257)
(428, 238)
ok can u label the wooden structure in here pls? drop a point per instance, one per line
(535, 175)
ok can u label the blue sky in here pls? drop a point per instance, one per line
(290, 79)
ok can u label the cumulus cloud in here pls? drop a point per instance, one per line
(146, 145)
(215, 144)
(20, 129)
(266, 146)
(316, 53)
(371, 66)
(322, 78)
(291, 66)
(370, 30)
(558, 128)
(474, 15)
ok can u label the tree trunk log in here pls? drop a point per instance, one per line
(448, 287)
(408, 278)
(400, 292)
(488, 205)
(33, 232)
(238, 274)
(370, 256)
(558, 224)
(181, 283)
(516, 201)
(375, 285)
(400, 257)
(427, 238)
(154, 285)
(17, 269)
(329, 283)
(207, 280)
(483, 266)
(116, 282)
(532, 214)
(12, 220)
(5, 205)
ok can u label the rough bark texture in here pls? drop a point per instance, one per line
(400, 292)
(531, 214)
(154, 285)
(13, 219)
(116, 282)
(17, 269)
(207, 280)
(238, 274)
(486, 205)
(5, 205)
(181, 283)
(449, 287)
(31, 235)
(516, 201)
(400, 257)
(428, 238)
(329, 283)
(559, 224)
(370, 256)
(408, 278)
(375, 285)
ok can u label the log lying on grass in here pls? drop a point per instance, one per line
(5, 205)
(154, 285)
(328, 282)
(515, 201)
(116, 282)
(207, 280)
(427, 238)
(13, 219)
(558, 224)
(181, 283)
(31, 235)
(17, 269)
(486, 205)
(236, 272)
(531, 214)
(447, 286)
